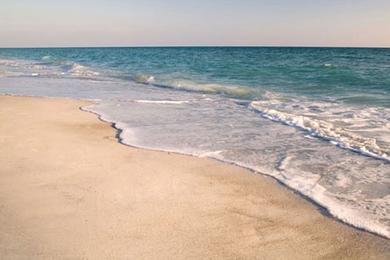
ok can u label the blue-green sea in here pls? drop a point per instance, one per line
(316, 119)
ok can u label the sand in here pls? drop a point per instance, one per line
(69, 190)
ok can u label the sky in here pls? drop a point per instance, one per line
(70, 23)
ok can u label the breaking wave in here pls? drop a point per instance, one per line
(48, 66)
(323, 127)
(206, 88)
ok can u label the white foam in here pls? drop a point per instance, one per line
(83, 71)
(11, 63)
(47, 57)
(310, 188)
(325, 129)
(54, 68)
(213, 154)
(163, 102)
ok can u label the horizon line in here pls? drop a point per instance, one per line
(195, 46)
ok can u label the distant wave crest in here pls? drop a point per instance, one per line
(207, 88)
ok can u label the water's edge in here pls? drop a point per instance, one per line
(323, 209)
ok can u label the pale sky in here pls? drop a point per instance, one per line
(50, 23)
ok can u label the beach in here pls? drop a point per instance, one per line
(70, 190)
(312, 118)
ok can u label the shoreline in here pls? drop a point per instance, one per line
(313, 200)
(321, 208)
(313, 231)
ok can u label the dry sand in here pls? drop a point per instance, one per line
(69, 190)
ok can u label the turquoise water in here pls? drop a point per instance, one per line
(316, 119)
(349, 75)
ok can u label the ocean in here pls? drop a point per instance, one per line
(315, 119)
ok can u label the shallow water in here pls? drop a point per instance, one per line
(316, 119)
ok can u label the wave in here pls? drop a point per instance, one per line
(48, 66)
(7, 62)
(206, 88)
(69, 67)
(325, 129)
(81, 71)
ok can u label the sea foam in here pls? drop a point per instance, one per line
(324, 129)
